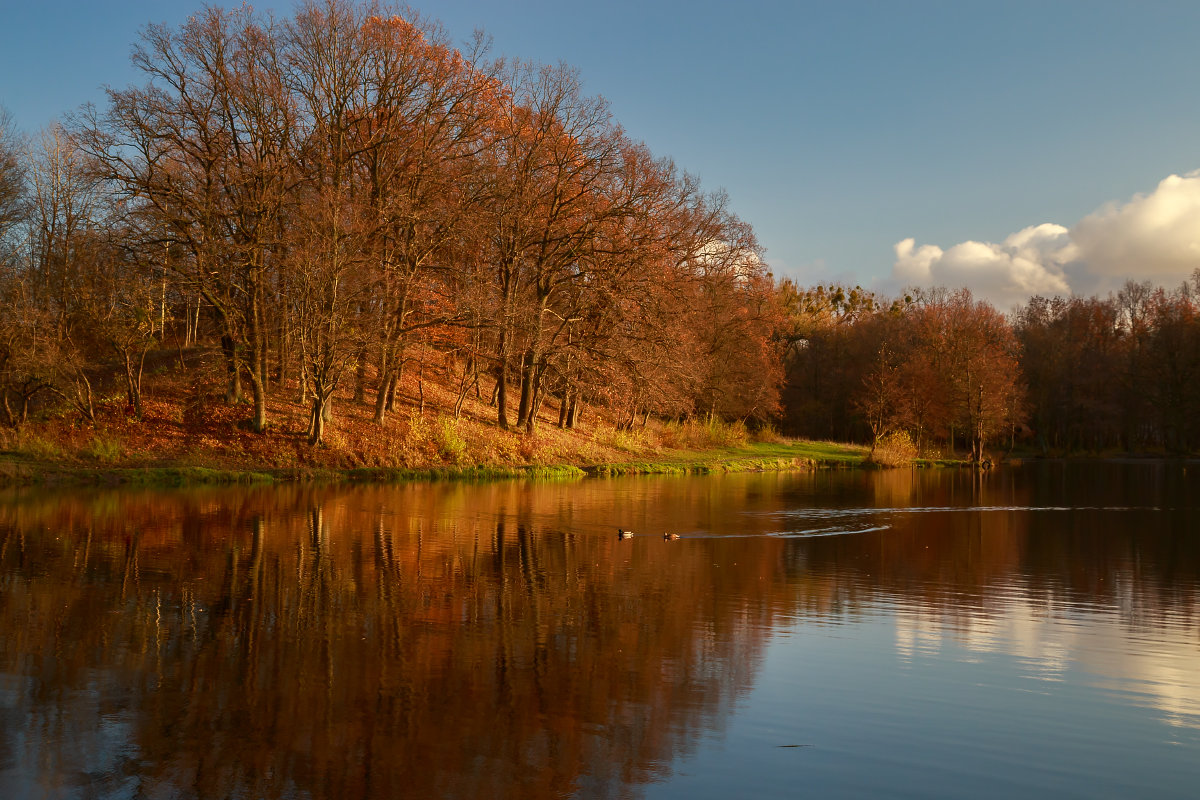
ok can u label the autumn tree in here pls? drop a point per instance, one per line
(65, 228)
(1169, 370)
(28, 350)
(1073, 359)
(974, 353)
(202, 150)
(419, 127)
(325, 69)
(738, 317)
(12, 184)
(629, 335)
(24, 359)
(552, 168)
(888, 376)
(824, 356)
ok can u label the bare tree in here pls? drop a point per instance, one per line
(204, 149)
(12, 182)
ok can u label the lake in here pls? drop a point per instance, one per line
(1030, 632)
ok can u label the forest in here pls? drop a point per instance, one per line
(329, 204)
(342, 196)
(939, 369)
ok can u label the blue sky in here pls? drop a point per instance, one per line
(839, 129)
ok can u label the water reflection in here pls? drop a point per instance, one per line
(418, 642)
(499, 641)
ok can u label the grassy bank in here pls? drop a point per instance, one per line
(751, 457)
(18, 469)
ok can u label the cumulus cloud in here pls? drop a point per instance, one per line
(1028, 262)
(1152, 237)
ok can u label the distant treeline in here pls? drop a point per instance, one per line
(1061, 374)
(341, 195)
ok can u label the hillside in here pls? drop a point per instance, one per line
(189, 434)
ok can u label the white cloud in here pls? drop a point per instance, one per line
(1028, 262)
(1152, 237)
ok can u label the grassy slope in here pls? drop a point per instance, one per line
(190, 438)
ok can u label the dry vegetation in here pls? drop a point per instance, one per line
(187, 423)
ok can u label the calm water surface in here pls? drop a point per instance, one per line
(1029, 633)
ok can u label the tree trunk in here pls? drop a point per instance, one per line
(385, 376)
(397, 374)
(470, 379)
(233, 389)
(538, 397)
(316, 421)
(133, 382)
(259, 394)
(575, 411)
(393, 385)
(381, 395)
(360, 376)
(502, 394)
(526, 400)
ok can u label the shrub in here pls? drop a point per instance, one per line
(412, 447)
(894, 449)
(630, 441)
(527, 448)
(450, 442)
(105, 449)
(705, 434)
(34, 446)
(768, 434)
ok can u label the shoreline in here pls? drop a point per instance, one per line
(19, 471)
(800, 456)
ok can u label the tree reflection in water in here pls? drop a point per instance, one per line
(381, 642)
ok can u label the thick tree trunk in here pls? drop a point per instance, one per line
(531, 371)
(526, 400)
(393, 384)
(316, 421)
(390, 370)
(574, 413)
(259, 394)
(381, 396)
